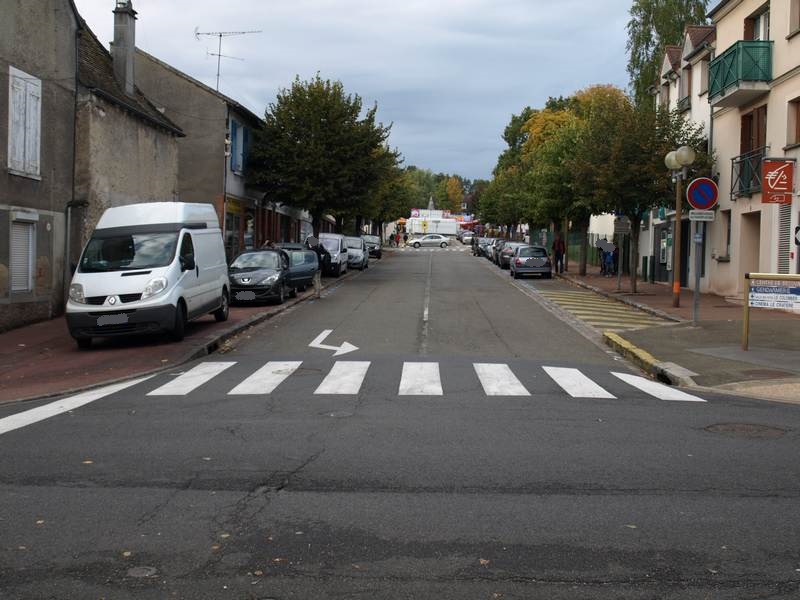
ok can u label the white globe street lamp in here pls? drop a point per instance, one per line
(678, 162)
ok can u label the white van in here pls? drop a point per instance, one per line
(336, 246)
(149, 268)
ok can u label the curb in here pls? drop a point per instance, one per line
(210, 346)
(638, 305)
(661, 371)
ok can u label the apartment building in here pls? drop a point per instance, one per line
(754, 96)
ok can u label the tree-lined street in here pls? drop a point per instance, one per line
(405, 468)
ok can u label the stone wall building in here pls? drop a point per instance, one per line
(126, 150)
(37, 118)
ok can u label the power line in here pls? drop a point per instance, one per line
(220, 35)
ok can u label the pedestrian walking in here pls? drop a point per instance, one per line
(405, 239)
(608, 263)
(323, 259)
(559, 250)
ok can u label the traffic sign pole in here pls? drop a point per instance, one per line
(702, 194)
(700, 230)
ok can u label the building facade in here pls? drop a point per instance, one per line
(126, 151)
(37, 117)
(213, 157)
(754, 95)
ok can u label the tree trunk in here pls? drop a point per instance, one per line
(635, 228)
(359, 224)
(316, 224)
(339, 224)
(583, 227)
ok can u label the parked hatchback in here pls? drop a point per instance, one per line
(530, 260)
(258, 275)
(357, 255)
(373, 243)
(504, 258)
(431, 240)
(303, 265)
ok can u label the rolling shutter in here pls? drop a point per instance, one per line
(784, 237)
(21, 256)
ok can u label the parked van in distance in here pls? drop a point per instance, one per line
(148, 268)
(336, 246)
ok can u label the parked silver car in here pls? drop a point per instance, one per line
(431, 240)
(531, 260)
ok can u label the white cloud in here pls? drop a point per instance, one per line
(447, 73)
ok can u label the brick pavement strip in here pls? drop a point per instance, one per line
(37, 360)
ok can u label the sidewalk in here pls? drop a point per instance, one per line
(708, 355)
(43, 360)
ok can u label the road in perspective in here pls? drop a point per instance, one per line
(430, 428)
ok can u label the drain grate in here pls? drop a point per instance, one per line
(747, 430)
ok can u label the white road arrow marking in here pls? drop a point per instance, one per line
(343, 349)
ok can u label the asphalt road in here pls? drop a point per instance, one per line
(519, 460)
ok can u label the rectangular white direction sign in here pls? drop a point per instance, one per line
(701, 215)
(784, 295)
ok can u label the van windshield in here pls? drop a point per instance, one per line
(129, 252)
(331, 244)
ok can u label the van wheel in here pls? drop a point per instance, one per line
(84, 343)
(221, 314)
(178, 330)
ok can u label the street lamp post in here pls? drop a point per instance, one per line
(678, 161)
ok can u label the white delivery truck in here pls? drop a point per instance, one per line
(419, 226)
(148, 268)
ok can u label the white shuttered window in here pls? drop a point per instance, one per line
(22, 246)
(24, 122)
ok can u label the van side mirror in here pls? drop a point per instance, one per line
(187, 263)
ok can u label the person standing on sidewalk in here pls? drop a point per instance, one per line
(323, 259)
(559, 250)
(405, 239)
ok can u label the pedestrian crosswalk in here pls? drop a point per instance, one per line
(346, 377)
(600, 312)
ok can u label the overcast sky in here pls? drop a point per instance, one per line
(447, 73)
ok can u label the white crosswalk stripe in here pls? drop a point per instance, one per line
(267, 378)
(345, 377)
(499, 380)
(420, 379)
(192, 379)
(576, 384)
(657, 390)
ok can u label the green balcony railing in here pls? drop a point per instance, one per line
(746, 173)
(743, 61)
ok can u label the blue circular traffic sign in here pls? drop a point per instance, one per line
(702, 193)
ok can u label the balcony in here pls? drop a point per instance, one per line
(746, 173)
(684, 104)
(740, 74)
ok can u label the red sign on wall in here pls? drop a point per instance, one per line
(777, 181)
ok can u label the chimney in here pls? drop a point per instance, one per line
(123, 49)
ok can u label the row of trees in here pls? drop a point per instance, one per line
(320, 150)
(595, 152)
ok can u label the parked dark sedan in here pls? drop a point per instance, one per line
(303, 264)
(373, 243)
(507, 251)
(258, 275)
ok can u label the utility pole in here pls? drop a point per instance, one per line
(219, 35)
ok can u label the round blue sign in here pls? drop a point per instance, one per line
(702, 193)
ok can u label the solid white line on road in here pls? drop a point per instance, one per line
(345, 377)
(267, 378)
(192, 379)
(658, 390)
(420, 379)
(576, 384)
(41, 413)
(499, 380)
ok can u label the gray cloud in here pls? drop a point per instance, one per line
(447, 74)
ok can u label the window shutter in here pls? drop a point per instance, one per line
(234, 146)
(21, 256)
(33, 120)
(245, 147)
(16, 123)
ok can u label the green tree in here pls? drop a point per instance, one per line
(515, 136)
(318, 152)
(654, 25)
(455, 194)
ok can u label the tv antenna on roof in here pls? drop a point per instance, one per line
(220, 35)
